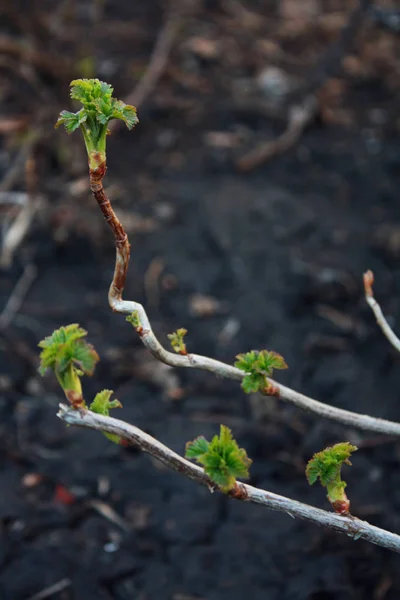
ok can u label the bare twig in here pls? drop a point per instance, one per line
(299, 116)
(17, 232)
(158, 60)
(20, 226)
(303, 100)
(17, 297)
(157, 63)
(349, 525)
(52, 589)
(376, 309)
(205, 363)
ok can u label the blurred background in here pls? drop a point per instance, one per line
(261, 182)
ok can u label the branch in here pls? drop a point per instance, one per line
(351, 526)
(376, 309)
(205, 363)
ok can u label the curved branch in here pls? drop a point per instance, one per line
(349, 525)
(149, 339)
(376, 309)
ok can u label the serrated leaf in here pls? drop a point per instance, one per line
(65, 347)
(125, 112)
(239, 463)
(71, 121)
(326, 465)
(258, 365)
(269, 360)
(85, 356)
(102, 406)
(197, 448)
(253, 383)
(246, 361)
(87, 90)
(225, 437)
(221, 458)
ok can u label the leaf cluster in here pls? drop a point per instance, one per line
(99, 107)
(102, 406)
(66, 348)
(221, 458)
(134, 320)
(258, 365)
(326, 465)
(177, 342)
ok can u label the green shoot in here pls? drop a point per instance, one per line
(221, 458)
(176, 340)
(70, 357)
(99, 107)
(258, 365)
(326, 466)
(102, 406)
(134, 320)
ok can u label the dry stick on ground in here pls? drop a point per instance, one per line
(349, 525)
(157, 64)
(303, 102)
(205, 363)
(376, 309)
(299, 116)
(22, 222)
(17, 297)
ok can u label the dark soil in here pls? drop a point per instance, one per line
(281, 251)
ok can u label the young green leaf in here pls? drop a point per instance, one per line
(99, 107)
(66, 346)
(134, 320)
(326, 466)
(102, 406)
(197, 448)
(71, 121)
(176, 340)
(69, 356)
(258, 365)
(269, 360)
(221, 458)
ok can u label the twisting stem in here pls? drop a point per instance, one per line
(149, 339)
(123, 247)
(349, 525)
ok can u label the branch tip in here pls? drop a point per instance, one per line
(368, 283)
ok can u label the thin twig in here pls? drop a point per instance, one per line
(156, 66)
(17, 297)
(52, 589)
(303, 100)
(17, 232)
(205, 363)
(158, 60)
(299, 116)
(21, 224)
(351, 526)
(376, 309)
